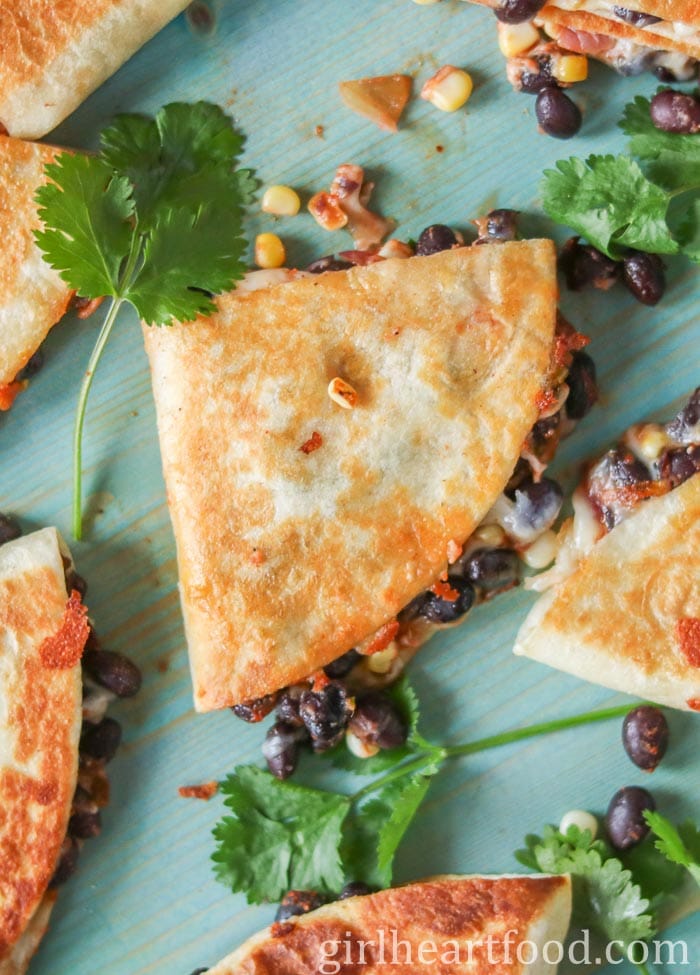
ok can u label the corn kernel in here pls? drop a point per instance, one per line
(448, 89)
(514, 39)
(281, 201)
(570, 68)
(269, 251)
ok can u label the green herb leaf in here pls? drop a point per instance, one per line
(605, 897)
(281, 836)
(87, 213)
(673, 159)
(406, 802)
(609, 201)
(679, 845)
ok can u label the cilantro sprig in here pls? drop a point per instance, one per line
(281, 836)
(153, 220)
(616, 202)
(623, 897)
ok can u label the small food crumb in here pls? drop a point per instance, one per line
(342, 393)
(381, 100)
(313, 443)
(204, 791)
(319, 131)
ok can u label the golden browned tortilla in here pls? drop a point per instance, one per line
(40, 718)
(32, 295)
(302, 526)
(56, 52)
(554, 19)
(629, 615)
(441, 925)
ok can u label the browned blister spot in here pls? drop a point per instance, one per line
(65, 647)
(688, 634)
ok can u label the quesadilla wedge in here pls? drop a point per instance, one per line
(304, 524)
(623, 602)
(54, 737)
(449, 924)
(34, 297)
(57, 52)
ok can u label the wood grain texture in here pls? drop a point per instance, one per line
(144, 901)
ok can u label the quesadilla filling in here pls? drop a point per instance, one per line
(106, 676)
(345, 699)
(651, 459)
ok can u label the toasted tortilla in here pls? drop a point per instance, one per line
(430, 926)
(56, 52)
(623, 618)
(666, 37)
(40, 719)
(33, 296)
(301, 526)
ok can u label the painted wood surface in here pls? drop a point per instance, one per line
(145, 899)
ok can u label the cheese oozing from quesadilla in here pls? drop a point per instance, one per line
(54, 738)
(34, 297)
(302, 527)
(621, 606)
(455, 925)
(57, 52)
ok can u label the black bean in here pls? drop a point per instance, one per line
(101, 740)
(643, 275)
(537, 504)
(544, 438)
(67, 862)
(624, 819)
(201, 18)
(678, 466)
(493, 568)
(532, 82)
(326, 714)
(297, 902)
(9, 529)
(516, 11)
(342, 666)
(85, 825)
(287, 709)
(376, 721)
(645, 736)
(502, 224)
(557, 115)
(435, 238)
(685, 426)
(583, 388)
(583, 265)
(255, 710)
(33, 366)
(75, 581)
(114, 671)
(617, 468)
(634, 17)
(281, 748)
(439, 609)
(330, 263)
(674, 111)
(199, 971)
(354, 889)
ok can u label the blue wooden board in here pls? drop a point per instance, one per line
(145, 899)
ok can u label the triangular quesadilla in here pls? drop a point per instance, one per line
(40, 720)
(628, 614)
(55, 54)
(467, 925)
(303, 523)
(33, 296)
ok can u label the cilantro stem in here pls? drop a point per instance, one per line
(109, 321)
(435, 755)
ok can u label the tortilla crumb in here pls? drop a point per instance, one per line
(204, 791)
(65, 648)
(313, 443)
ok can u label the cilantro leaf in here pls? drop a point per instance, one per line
(605, 897)
(86, 211)
(673, 159)
(679, 845)
(182, 251)
(609, 200)
(169, 158)
(406, 803)
(280, 837)
(659, 880)
(689, 231)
